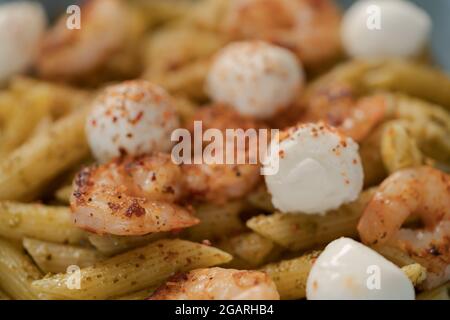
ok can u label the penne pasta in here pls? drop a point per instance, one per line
(410, 78)
(372, 161)
(25, 171)
(397, 256)
(109, 244)
(302, 231)
(179, 58)
(21, 121)
(48, 223)
(32, 105)
(351, 73)
(185, 108)
(4, 296)
(159, 11)
(428, 124)
(399, 149)
(187, 81)
(207, 14)
(17, 271)
(439, 293)
(133, 271)
(55, 258)
(392, 75)
(290, 275)
(58, 99)
(261, 199)
(138, 295)
(99, 202)
(250, 249)
(216, 221)
(63, 194)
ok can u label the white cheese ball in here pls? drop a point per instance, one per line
(134, 117)
(348, 270)
(318, 170)
(401, 30)
(256, 78)
(22, 24)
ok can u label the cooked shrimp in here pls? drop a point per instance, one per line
(131, 196)
(338, 106)
(68, 53)
(221, 182)
(218, 284)
(422, 191)
(310, 28)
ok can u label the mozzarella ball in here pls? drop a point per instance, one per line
(348, 270)
(256, 78)
(385, 28)
(318, 170)
(22, 24)
(135, 117)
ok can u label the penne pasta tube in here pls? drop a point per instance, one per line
(394, 75)
(55, 258)
(132, 271)
(250, 249)
(290, 275)
(159, 11)
(109, 244)
(63, 194)
(399, 149)
(351, 73)
(179, 58)
(428, 124)
(187, 81)
(439, 293)
(397, 256)
(185, 108)
(48, 223)
(138, 295)
(216, 221)
(33, 104)
(17, 271)
(207, 14)
(19, 125)
(4, 296)
(302, 231)
(372, 161)
(411, 78)
(261, 199)
(58, 99)
(25, 171)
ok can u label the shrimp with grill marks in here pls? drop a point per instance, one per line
(131, 196)
(423, 192)
(219, 182)
(309, 28)
(338, 106)
(68, 53)
(218, 284)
